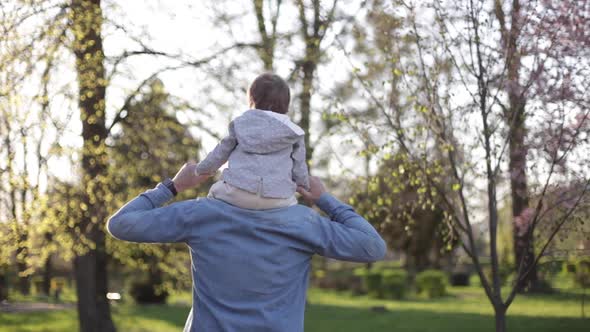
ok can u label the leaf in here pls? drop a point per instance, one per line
(456, 187)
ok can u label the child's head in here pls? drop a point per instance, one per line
(269, 92)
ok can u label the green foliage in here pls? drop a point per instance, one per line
(145, 291)
(3, 287)
(506, 272)
(150, 145)
(460, 279)
(394, 283)
(373, 283)
(579, 270)
(407, 210)
(338, 279)
(384, 283)
(431, 282)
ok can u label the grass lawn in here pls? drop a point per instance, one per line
(465, 309)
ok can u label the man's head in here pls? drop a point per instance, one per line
(269, 92)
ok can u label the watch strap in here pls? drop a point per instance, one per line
(170, 185)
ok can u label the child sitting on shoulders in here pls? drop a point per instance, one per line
(265, 152)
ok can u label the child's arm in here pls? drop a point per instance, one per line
(220, 154)
(300, 172)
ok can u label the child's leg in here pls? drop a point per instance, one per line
(247, 200)
(216, 189)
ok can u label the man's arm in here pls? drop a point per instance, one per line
(143, 220)
(345, 234)
(300, 171)
(216, 158)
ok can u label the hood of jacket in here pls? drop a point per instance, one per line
(265, 132)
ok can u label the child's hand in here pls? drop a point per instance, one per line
(186, 177)
(316, 189)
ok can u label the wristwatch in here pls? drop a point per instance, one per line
(168, 183)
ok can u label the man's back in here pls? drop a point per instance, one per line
(250, 268)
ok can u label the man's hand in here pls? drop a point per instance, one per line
(316, 189)
(187, 177)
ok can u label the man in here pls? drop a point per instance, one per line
(250, 268)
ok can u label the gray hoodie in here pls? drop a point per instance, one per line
(266, 154)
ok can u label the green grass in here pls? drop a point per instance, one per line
(465, 309)
(129, 318)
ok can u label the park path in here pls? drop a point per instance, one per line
(20, 307)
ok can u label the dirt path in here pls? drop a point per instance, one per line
(32, 306)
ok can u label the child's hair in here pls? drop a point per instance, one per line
(269, 92)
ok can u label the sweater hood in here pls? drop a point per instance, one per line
(265, 131)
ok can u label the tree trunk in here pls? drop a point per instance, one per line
(500, 317)
(523, 243)
(91, 287)
(583, 301)
(515, 119)
(47, 267)
(24, 282)
(19, 230)
(267, 49)
(47, 272)
(91, 261)
(305, 105)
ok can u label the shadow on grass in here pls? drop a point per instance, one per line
(327, 318)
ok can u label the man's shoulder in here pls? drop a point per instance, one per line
(297, 211)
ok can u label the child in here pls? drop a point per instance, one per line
(265, 151)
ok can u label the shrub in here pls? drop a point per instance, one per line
(506, 273)
(340, 280)
(582, 272)
(360, 272)
(3, 288)
(575, 272)
(394, 283)
(37, 285)
(569, 266)
(460, 279)
(146, 292)
(372, 281)
(432, 282)
(474, 280)
(384, 283)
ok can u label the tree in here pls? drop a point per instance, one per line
(313, 30)
(524, 28)
(407, 212)
(39, 32)
(266, 50)
(145, 147)
(24, 136)
(314, 22)
(451, 105)
(90, 262)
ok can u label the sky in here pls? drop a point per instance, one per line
(187, 28)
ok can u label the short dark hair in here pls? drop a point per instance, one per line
(269, 92)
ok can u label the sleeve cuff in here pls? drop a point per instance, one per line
(328, 203)
(158, 195)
